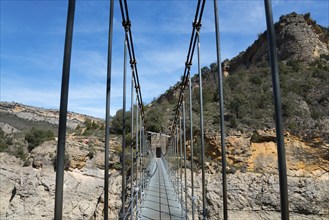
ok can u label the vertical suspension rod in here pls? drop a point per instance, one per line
(221, 111)
(63, 112)
(132, 144)
(191, 143)
(107, 113)
(202, 132)
(141, 157)
(137, 157)
(278, 112)
(176, 160)
(184, 143)
(124, 131)
(180, 158)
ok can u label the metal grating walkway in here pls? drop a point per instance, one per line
(161, 199)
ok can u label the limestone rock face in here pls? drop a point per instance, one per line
(44, 154)
(256, 196)
(8, 129)
(29, 193)
(293, 28)
(291, 42)
(77, 154)
(34, 114)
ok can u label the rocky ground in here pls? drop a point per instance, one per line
(28, 190)
(256, 196)
(253, 182)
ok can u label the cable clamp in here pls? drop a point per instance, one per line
(197, 25)
(133, 62)
(188, 65)
(126, 25)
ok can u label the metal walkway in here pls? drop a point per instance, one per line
(161, 200)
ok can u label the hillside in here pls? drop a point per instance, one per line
(28, 146)
(303, 48)
(249, 110)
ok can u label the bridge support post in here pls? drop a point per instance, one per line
(132, 145)
(107, 114)
(191, 141)
(204, 211)
(63, 112)
(184, 143)
(137, 158)
(180, 159)
(278, 111)
(123, 158)
(221, 111)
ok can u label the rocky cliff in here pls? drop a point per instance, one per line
(22, 116)
(27, 175)
(298, 38)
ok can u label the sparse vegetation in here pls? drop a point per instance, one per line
(66, 161)
(19, 152)
(154, 121)
(91, 124)
(5, 141)
(324, 56)
(117, 122)
(116, 166)
(36, 136)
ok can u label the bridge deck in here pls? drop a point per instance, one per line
(161, 199)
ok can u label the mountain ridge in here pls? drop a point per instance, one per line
(298, 37)
(247, 83)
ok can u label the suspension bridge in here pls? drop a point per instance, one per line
(157, 182)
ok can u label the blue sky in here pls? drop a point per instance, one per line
(32, 42)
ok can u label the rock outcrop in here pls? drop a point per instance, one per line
(256, 196)
(33, 114)
(292, 44)
(29, 193)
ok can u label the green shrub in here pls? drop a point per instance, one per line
(238, 105)
(256, 80)
(154, 120)
(66, 162)
(117, 122)
(295, 64)
(91, 124)
(116, 166)
(233, 123)
(5, 141)
(324, 56)
(19, 152)
(254, 138)
(36, 136)
(287, 109)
